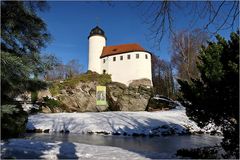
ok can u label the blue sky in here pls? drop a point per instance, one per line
(70, 23)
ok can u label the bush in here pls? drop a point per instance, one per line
(51, 103)
(13, 120)
(54, 88)
(198, 153)
(34, 96)
(102, 79)
(71, 83)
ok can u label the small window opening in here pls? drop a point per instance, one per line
(104, 60)
(104, 71)
(121, 58)
(146, 56)
(128, 56)
(137, 56)
(114, 58)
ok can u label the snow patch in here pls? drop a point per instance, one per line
(148, 123)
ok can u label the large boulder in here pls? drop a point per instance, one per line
(82, 98)
(159, 102)
(141, 82)
(132, 98)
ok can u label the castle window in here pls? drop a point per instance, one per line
(114, 58)
(121, 58)
(104, 60)
(128, 56)
(137, 56)
(146, 56)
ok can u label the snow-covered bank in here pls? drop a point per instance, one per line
(22, 149)
(126, 123)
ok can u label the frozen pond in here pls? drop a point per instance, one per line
(119, 147)
(166, 144)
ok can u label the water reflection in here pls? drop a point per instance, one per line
(168, 144)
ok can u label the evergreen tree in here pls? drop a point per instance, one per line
(215, 96)
(23, 34)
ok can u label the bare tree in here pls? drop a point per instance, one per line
(56, 73)
(185, 48)
(162, 76)
(62, 71)
(73, 68)
(161, 16)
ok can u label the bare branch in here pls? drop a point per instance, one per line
(224, 22)
(214, 17)
(160, 20)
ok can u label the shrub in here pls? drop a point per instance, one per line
(198, 153)
(102, 79)
(51, 103)
(34, 96)
(13, 120)
(71, 83)
(54, 89)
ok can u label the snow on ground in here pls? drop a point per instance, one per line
(149, 123)
(25, 148)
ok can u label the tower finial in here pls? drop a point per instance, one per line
(97, 31)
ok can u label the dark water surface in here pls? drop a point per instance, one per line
(168, 144)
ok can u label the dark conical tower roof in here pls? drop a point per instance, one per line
(97, 31)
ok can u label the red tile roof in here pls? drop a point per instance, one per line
(123, 48)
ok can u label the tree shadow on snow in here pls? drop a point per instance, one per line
(67, 149)
(136, 127)
(38, 149)
(24, 149)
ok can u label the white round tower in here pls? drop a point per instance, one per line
(97, 41)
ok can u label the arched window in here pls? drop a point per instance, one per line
(104, 71)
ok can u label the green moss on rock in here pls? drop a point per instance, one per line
(71, 83)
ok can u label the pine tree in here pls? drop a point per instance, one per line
(23, 34)
(215, 96)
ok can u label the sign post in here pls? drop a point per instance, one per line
(101, 96)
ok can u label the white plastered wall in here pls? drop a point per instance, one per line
(126, 70)
(96, 44)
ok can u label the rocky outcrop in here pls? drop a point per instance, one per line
(132, 98)
(141, 82)
(82, 98)
(47, 109)
(43, 93)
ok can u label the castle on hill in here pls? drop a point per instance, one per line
(125, 62)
